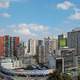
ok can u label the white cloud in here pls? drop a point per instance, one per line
(65, 5)
(37, 27)
(26, 31)
(2, 31)
(6, 15)
(75, 16)
(4, 4)
(22, 29)
(30, 30)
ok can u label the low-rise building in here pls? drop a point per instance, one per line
(67, 60)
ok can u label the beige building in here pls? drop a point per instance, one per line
(32, 47)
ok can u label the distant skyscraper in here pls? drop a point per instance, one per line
(50, 44)
(20, 50)
(53, 44)
(74, 40)
(32, 46)
(28, 47)
(41, 55)
(16, 42)
(62, 41)
(7, 43)
(40, 52)
(46, 50)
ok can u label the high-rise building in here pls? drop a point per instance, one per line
(20, 51)
(41, 55)
(8, 45)
(53, 44)
(16, 42)
(32, 46)
(40, 52)
(50, 44)
(28, 47)
(74, 40)
(46, 50)
(1, 46)
(62, 41)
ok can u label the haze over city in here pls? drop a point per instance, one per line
(38, 18)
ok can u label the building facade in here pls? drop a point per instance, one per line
(74, 40)
(1, 46)
(67, 61)
(9, 45)
(46, 50)
(40, 52)
(32, 46)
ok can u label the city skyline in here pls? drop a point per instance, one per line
(28, 18)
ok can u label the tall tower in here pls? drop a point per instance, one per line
(32, 46)
(40, 52)
(46, 50)
(15, 44)
(7, 44)
(74, 40)
(10, 44)
(2, 46)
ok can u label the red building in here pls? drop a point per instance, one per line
(1, 46)
(8, 46)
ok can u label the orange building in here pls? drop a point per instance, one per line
(1, 46)
(8, 46)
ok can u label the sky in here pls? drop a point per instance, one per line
(38, 18)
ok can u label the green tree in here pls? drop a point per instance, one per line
(66, 77)
(56, 75)
(79, 76)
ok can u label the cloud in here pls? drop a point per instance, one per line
(65, 5)
(26, 31)
(5, 15)
(22, 29)
(37, 27)
(29, 30)
(4, 4)
(75, 16)
(2, 31)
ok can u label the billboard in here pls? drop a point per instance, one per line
(63, 42)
